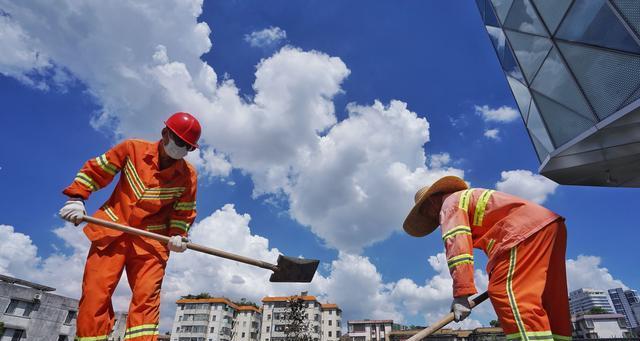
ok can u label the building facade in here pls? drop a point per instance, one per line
(446, 334)
(601, 326)
(583, 300)
(215, 319)
(369, 330)
(323, 320)
(30, 311)
(622, 301)
(572, 66)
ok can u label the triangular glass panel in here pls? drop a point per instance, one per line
(522, 96)
(481, 6)
(530, 51)
(536, 127)
(593, 22)
(502, 8)
(563, 123)
(554, 81)
(522, 17)
(552, 11)
(505, 55)
(489, 16)
(541, 151)
(629, 10)
(607, 78)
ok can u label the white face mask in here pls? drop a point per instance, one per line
(174, 151)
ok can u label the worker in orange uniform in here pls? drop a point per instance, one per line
(525, 244)
(156, 192)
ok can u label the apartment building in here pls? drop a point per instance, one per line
(622, 301)
(584, 299)
(370, 330)
(215, 319)
(324, 320)
(30, 311)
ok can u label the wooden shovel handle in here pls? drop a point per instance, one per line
(446, 320)
(192, 246)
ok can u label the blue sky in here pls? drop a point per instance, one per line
(435, 57)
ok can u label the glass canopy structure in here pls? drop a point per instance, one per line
(573, 67)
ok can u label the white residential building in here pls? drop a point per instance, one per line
(370, 330)
(601, 326)
(215, 319)
(584, 299)
(324, 320)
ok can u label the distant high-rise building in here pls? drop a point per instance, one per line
(573, 68)
(584, 299)
(622, 301)
(324, 320)
(215, 319)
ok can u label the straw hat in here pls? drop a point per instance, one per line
(418, 224)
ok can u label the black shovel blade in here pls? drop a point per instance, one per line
(292, 269)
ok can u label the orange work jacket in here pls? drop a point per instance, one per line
(160, 201)
(488, 220)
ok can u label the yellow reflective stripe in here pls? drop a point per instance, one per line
(481, 206)
(146, 196)
(134, 179)
(156, 227)
(184, 206)
(490, 245)
(537, 336)
(142, 192)
(464, 258)
(92, 338)
(106, 165)
(142, 326)
(142, 330)
(87, 181)
(456, 231)
(465, 198)
(561, 337)
(512, 296)
(110, 213)
(179, 224)
(166, 189)
(139, 334)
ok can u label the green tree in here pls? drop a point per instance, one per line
(1, 328)
(198, 296)
(295, 321)
(494, 323)
(597, 310)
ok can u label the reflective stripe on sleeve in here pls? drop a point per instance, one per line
(465, 198)
(464, 258)
(156, 227)
(185, 206)
(180, 224)
(456, 231)
(106, 165)
(87, 181)
(481, 206)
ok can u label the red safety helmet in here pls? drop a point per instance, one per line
(185, 126)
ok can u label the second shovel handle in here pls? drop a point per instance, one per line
(192, 246)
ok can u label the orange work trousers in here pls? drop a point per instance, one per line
(528, 287)
(145, 270)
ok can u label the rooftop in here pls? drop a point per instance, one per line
(223, 300)
(369, 321)
(12, 280)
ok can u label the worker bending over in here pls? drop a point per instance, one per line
(156, 192)
(525, 244)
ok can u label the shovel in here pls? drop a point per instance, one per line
(446, 320)
(288, 269)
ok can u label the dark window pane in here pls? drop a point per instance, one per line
(522, 96)
(522, 17)
(505, 55)
(530, 51)
(536, 128)
(554, 81)
(489, 16)
(608, 78)
(552, 11)
(593, 22)
(563, 123)
(630, 12)
(502, 8)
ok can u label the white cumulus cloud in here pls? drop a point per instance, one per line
(501, 114)
(266, 37)
(525, 184)
(586, 272)
(492, 134)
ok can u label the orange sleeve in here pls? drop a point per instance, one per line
(98, 172)
(184, 210)
(456, 234)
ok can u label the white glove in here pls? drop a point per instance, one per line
(460, 308)
(72, 211)
(176, 244)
